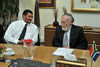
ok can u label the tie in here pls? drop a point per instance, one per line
(65, 39)
(23, 32)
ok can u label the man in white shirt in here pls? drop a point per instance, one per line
(15, 29)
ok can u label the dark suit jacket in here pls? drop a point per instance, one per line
(77, 38)
(1, 33)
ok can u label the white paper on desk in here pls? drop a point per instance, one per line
(70, 57)
(63, 51)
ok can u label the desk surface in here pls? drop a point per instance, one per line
(43, 54)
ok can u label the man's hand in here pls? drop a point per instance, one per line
(20, 42)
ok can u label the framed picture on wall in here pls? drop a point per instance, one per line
(86, 5)
(47, 3)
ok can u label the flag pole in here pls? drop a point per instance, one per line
(91, 62)
(92, 59)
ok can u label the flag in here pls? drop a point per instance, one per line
(94, 53)
(36, 15)
(37, 19)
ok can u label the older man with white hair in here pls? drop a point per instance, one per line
(69, 35)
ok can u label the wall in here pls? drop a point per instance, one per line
(81, 18)
(25, 4)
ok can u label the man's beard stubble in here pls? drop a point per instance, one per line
(67, 28)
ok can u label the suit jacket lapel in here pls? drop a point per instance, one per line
(71, 35)
(61, 33)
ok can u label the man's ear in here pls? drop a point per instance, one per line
(22, 15)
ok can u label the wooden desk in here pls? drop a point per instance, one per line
(90, 35)
(80, 63)
(43, 54)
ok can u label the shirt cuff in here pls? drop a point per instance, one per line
(16, 41)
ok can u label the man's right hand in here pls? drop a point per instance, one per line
(20, 42)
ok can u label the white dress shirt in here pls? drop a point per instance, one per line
(68, 35)
(15, 29)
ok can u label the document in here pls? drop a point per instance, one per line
(63, 51)
(66, 53)
(70, 57)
